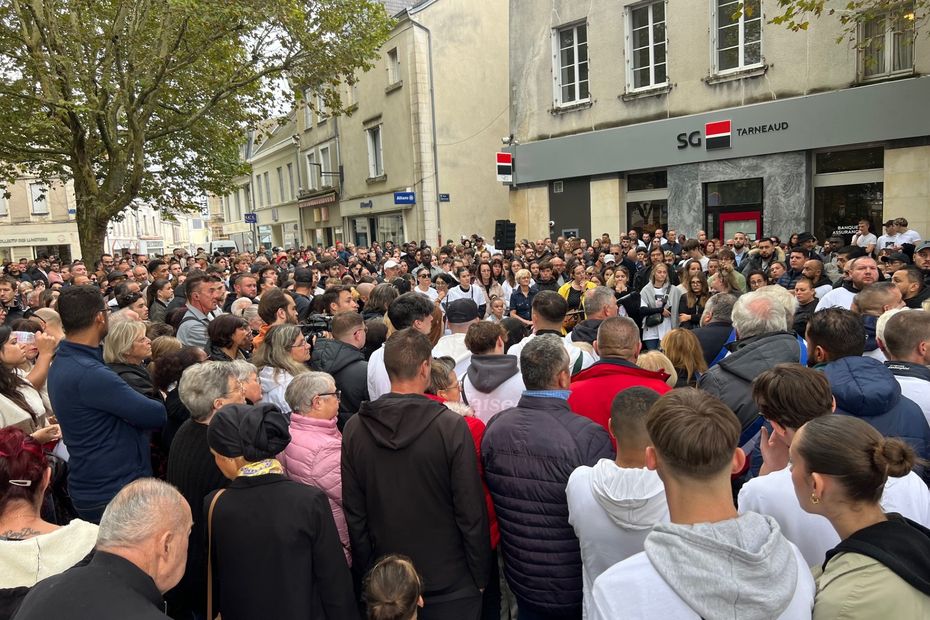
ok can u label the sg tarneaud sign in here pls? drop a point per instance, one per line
(716, 135)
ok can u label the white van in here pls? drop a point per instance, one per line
(223, 246)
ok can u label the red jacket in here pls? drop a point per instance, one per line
(594, 389)
(476, 428)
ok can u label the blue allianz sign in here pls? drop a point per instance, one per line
(405, 198)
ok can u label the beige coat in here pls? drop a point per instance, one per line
(855, 586)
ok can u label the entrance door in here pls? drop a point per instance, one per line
(733, 206)
(732, 222)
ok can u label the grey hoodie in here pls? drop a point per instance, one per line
(741, 568)
(488, 372)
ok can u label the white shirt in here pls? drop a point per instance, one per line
(918, 390)
(864, 241)
(634, 590)
(504, 396)
(773, 495)
(430, 293)
(909, 236)
(886, 241)
(379, 383)
(474, 293)
(453, 346)
(274, 384)
(822, 290)
(837, 298)
(573, 354)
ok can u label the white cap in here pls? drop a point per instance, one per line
(390, 264)
(609, 258)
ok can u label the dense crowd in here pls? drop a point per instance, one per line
(647, 426)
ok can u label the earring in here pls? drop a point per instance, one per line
(814, 499)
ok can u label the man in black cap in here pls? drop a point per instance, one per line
(410, 485)
(303, 292)
(922, 259)
(460, 313)
(889, 239)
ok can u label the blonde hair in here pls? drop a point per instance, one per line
(276, 350)
(523, 273)
(683, 349)
(657, 361)
(119, 340)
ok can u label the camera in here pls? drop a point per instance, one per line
(316, 326)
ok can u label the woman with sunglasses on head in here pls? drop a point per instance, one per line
(31, 547)
(282, 357)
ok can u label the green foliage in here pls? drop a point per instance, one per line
(150, 99)
(796, 15)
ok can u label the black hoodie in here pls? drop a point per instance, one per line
(410, 485)
(900, 544)
(349, 369)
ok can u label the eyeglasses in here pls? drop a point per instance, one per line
(337, 394)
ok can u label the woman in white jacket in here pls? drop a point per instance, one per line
(282, 356)
(659, 301)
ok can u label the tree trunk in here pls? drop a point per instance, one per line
(92, 231)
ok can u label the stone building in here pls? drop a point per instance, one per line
(696, 116)
(37, 219)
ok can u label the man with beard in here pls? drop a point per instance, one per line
(922, 260)
(740, 249)
(762, 259)
(426, 262)
(813, 269)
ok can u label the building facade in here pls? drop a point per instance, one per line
(428, 119)
(38, 219)
(699, 116)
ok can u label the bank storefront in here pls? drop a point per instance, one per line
(819, 162)
(378, 218)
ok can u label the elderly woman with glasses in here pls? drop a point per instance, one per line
(314, 455)
(282, 357)
(124, 350)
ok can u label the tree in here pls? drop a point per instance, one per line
(149, 100)
(852, 14)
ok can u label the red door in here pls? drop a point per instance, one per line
(732, 222)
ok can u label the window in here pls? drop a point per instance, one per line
(570, 55)
(646, 215)
(640, 181)
(325, 163)
(38, 195)
(321, 112)
(738, 34)
(280, 174)
(4, 210)
(887, 43)
(375, 161)
(308, 111)
(290, 180)
(645, 57)
(258, 190)
(393, 67)
(845, 161)
(268, 189)
(312, 169)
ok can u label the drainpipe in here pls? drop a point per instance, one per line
(432, 103)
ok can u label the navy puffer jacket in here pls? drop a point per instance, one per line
(528, 454)
(867, 389)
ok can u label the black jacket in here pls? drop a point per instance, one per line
(802, 315)
(138, 379)
(528, 453)
(712, 338)
(630, 300)
(410, 485)
(276, 552)
(108, 588)
(348, 367)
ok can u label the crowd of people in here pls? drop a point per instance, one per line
(646, 426)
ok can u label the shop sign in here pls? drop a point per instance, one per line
(366, 204)
(405, 198)
(717, 135)
(24, 240)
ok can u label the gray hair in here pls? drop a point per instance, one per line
(721, 306)
(243, 369)
(788, 301)
(240, 305)
(759, 312)
(276, 350)
(304, 388)
(141, 510)
(119, 340)
(597, 299)
(201, 384)
(541, 360)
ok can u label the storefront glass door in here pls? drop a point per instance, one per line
(733, 206)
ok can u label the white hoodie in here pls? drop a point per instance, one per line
(612, 510)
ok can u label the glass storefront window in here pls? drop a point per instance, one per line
(647, 215)
(844, 161)
(638, 181)
(733, 193)
(838, 209)
(390, 228)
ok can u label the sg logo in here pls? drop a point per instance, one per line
(689, 139)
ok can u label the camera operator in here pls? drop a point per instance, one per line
(341, 356)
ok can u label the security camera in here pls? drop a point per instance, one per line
(551, 224)
(505, 140)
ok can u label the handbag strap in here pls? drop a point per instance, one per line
(210, 615)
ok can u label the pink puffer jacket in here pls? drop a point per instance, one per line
(313, 458)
